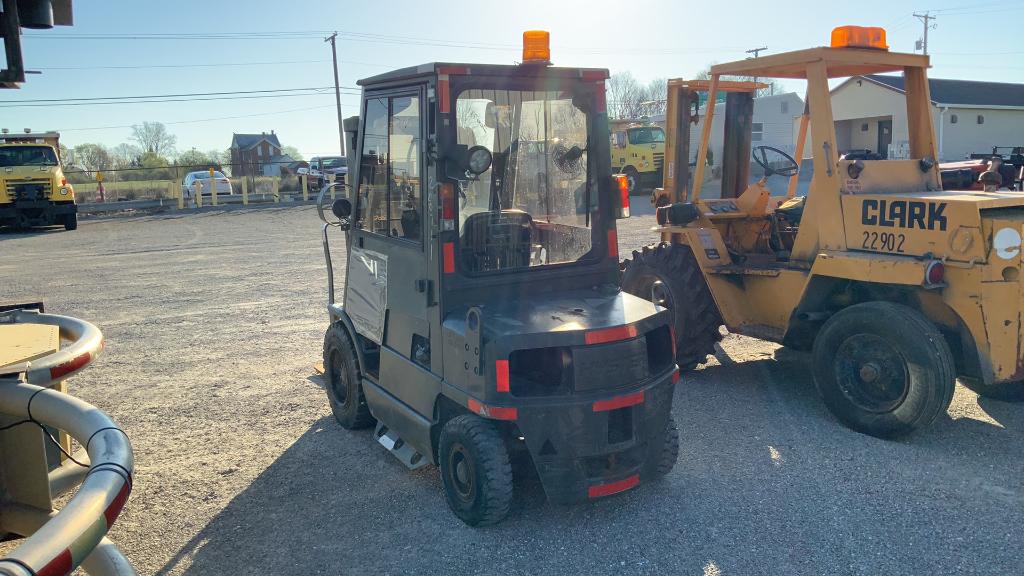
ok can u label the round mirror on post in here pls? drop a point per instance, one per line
(342, 208)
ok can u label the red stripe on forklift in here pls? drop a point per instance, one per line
(619, 402)
(442, 94)
(449, 257)
(676, 377)
(114, 510)
(69, 366)
(613, 244)
(493, 412)
(614, 487)
(59, 566)
(501, 367)
(610, 335)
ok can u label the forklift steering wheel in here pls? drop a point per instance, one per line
(789, 166)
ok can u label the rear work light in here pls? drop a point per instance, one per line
(934, 273)
(859, 37)
(622, 187)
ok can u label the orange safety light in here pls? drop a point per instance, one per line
(537, 46)
(859, 37)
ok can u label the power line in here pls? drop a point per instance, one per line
(204, 65)
(197, 65)
(213, 98)
(200, 120)
(172, 95)
(371, 38)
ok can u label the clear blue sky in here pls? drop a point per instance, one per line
(650, 39)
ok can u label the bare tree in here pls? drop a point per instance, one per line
(92, 158)
(125, 155)
(773, 84)
(154, 137)
(655, 94)
(625, 96)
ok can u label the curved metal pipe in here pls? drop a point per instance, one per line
(105, 559)
(68, 538)
(87, 343)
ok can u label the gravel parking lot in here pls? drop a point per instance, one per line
(213, 323)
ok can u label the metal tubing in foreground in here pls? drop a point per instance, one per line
(64, 542)
(74, 536)
(86, 345)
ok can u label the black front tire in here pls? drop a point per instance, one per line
(71, 221)
(475, 470)
(633, 177)
(343, 380)
(1005, 391)
(695, 318)
(883, 369)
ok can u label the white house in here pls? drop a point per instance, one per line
(771, 125)
(969, 116)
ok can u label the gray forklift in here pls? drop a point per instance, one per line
(482, 321)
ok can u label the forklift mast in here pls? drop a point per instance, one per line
(683, 109)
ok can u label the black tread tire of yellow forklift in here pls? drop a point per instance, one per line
(342, 375)
(633, 178)
(670, 450)
(483, 495)
(903, 334)
(1006, 391)
(696, 325)
(71, 222)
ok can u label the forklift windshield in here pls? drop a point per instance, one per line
(533, 206)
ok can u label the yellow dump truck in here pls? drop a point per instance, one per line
(33, 189)
(638, 151)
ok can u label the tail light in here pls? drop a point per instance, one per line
(934, 273)
(447, 207)
(622, 185)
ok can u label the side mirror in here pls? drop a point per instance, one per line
(302, 170)
(342, 208)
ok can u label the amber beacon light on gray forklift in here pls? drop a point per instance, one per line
(481, 321)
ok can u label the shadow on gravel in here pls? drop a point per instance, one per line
(788, 379)
(15, 233)
(332, 494)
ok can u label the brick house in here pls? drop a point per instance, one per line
(254, 154)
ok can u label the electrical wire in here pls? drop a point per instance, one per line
(203, 120)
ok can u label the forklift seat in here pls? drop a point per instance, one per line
(497, 240)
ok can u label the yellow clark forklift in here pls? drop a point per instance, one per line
(896, 286)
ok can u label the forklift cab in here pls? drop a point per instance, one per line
(481, 313)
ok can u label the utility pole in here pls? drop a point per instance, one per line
(337, 89)
(756, 52)
(925, 18)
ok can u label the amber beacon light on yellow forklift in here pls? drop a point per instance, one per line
(859, 37)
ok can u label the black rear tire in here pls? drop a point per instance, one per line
(343, 380)
(669, 454)
(71, 222)
(697, 322)
(475, 470)
(883, 369)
